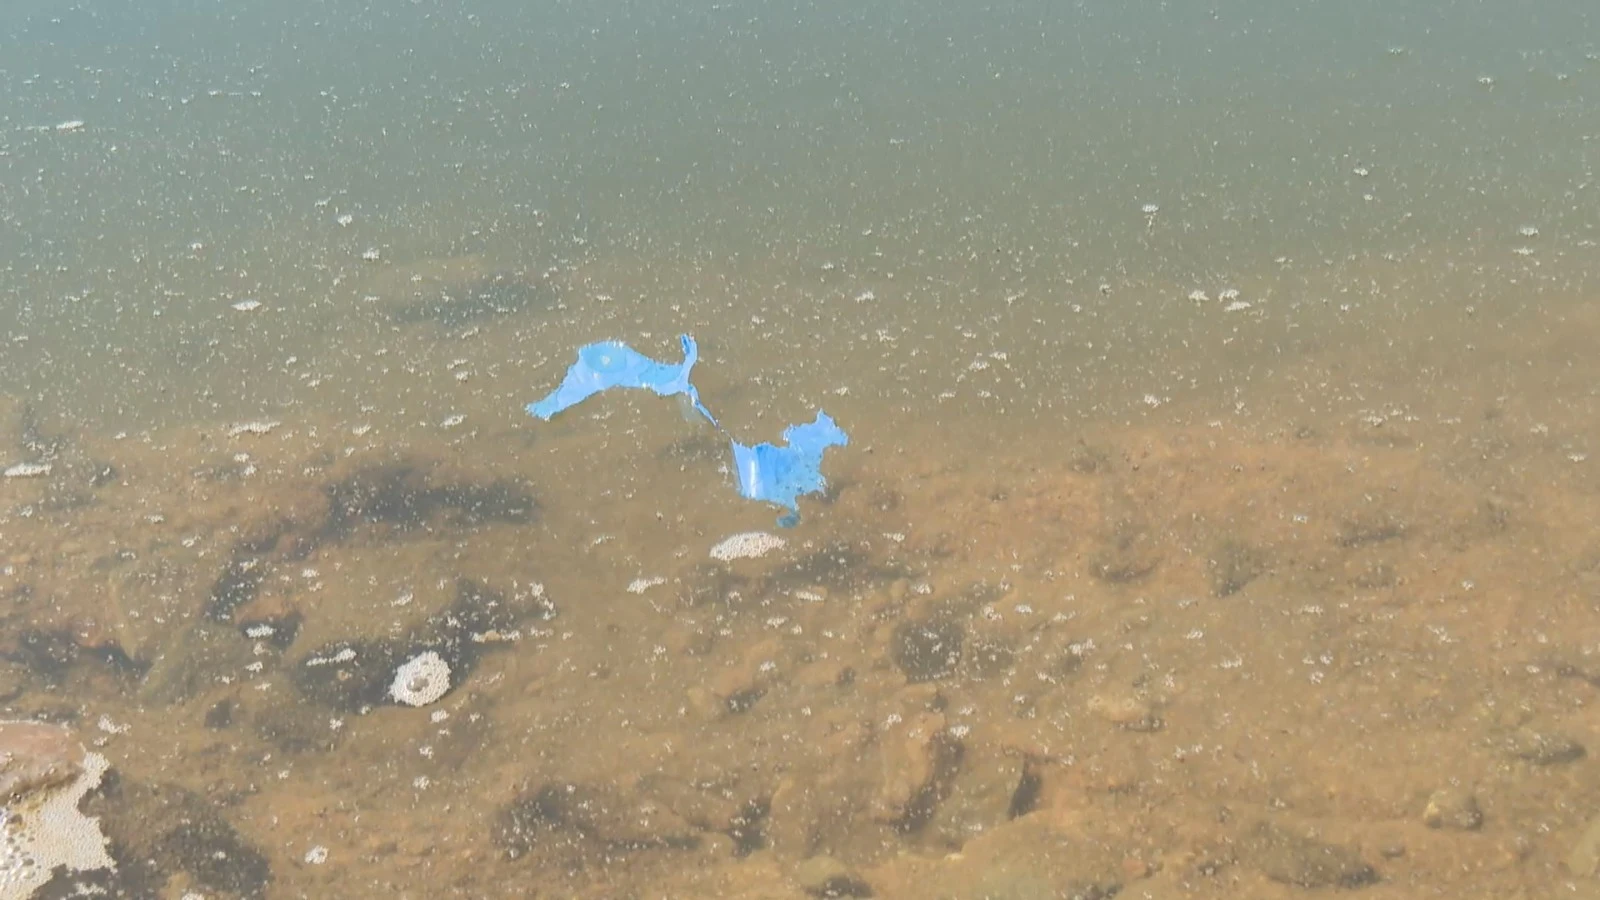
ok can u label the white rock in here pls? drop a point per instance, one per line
(747, 545)
(421, 680)
(44, 830)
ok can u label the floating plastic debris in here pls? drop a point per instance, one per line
(611, 364)
(748, 545)
(781, 474)
(766, 472)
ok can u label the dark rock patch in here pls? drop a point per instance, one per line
(748, 827)
(1291, 858)
(711, 584)
(743, 701)
(1088, 460)
(157, 831)
(947, 753)
(826, 877)
(52, 655)
(585, 824)
(927, 649)
(838, 566)
(356, 674)
(1235, 564)
(405, 497)
(220, 715)
(241, 577)
(1543, 748)
(351, 675)
(1130, 555)
(492, 296)
(988, 658)
(1369, 529)
(1026, 795)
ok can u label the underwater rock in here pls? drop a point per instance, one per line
(159, 830)
(357, 674)
(1291, 858)
(490, 296)
(404, 497)
(927, 649)
(585, 823)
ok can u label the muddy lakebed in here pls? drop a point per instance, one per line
(1164, 662)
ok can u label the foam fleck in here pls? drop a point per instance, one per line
(41, 828)
(421, 680)
(746, 545)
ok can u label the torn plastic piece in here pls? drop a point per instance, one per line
(767, 472)
(781, 474)
(610, 364)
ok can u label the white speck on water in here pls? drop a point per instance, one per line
(260, 426)
(317, 855)
(640, 585)
(453, 421)
(247, 305)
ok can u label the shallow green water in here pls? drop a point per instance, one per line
(1011, 247)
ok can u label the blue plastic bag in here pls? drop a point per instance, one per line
(766, 472)
(611, 364)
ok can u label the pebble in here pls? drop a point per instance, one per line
(1544, 748)
(824, 876)
(1454, 809)
(1584, 858)
(1127, 711)
(1290, 858)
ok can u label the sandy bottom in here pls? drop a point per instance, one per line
(1006, 656)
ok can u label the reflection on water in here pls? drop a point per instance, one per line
(1219, 517)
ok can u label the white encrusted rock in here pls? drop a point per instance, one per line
(46, 773)
(421, 680)
(747, 545)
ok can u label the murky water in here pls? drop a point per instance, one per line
(1219, 517)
